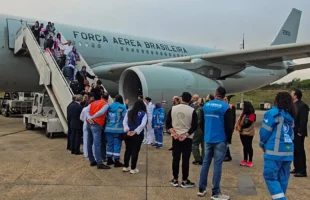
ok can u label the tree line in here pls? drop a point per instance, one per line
(295, 83)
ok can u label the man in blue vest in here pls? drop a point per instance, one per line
(216, 123)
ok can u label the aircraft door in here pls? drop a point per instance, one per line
(13, 26)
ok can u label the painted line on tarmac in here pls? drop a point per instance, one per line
(7, 134)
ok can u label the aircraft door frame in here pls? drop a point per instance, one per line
(13, 26)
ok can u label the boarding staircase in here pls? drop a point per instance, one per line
(50, 74)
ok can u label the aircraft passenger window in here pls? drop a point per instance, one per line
(142, 51)
(99, 46)
(93, 45)
(80, 44)
(165, 54)
(73, 42)
(152, 52)
(170, 54)
(147, 51)
(156, 53)
(161, 53)
(86, 44)
(122, 48)
(137, 50)
(127, 49)
(132, 50)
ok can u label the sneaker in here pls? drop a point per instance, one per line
(220, 197)
(187, 184)
(174, 183)
(249, 164)
(202, 192)
(134, 171)
(126, 169)
(243, 163)
(154, 145)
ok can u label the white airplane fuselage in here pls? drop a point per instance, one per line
(101, 48)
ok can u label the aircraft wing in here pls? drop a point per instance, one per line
(260, 57)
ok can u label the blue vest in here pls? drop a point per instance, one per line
(138, 122)
(115, 117)
(214, 111)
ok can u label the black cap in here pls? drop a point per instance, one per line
(186, 97)
(148, 99)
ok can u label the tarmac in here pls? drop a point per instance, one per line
(33, 166)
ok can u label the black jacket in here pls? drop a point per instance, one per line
(73, 116)
(80, 76)
(301, 119)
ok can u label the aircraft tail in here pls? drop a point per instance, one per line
(289, 31)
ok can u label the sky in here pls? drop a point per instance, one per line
(209, 23)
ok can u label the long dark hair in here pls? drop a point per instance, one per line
(248, 108)
(119, 99)
(285, 102)
(132, 114)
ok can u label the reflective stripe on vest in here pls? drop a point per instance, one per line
(275, 151)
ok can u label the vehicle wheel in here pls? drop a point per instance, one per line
(29, 126)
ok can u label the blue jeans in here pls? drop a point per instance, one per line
(218, 151)
(94, 137)
(114, 145)
(158, 136)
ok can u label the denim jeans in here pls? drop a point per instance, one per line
(94, 137)
(218, 151)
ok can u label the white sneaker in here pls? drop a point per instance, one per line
(134, 171)
(126, 169)
(202, 192)
(220, 197)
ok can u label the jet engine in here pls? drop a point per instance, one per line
(162, 83)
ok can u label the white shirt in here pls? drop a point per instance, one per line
(139, 129)
(67, 49)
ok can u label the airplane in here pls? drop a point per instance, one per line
(133, 66)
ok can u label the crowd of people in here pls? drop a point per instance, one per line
(64, 53)
(202, 127)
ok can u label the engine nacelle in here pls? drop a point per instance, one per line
(162, 83)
